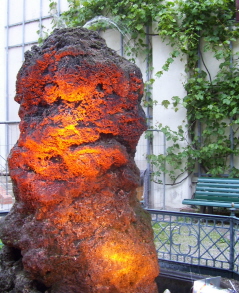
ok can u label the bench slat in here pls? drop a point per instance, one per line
(216, 194)
(217, 198)
(209, 203)
(217, 180)
(220, 185)
(215, 190)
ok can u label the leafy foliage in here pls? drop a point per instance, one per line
(134, 16)
(192, 28)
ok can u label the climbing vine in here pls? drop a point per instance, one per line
(192, 28)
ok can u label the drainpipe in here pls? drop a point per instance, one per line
(148, 171)
(40, 20)
(199, 123)
(237, 10)
(231, 130)
(58, 8)
(7, 84)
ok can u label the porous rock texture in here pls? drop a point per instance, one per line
(76, 225)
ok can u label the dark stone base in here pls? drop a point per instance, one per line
(13, 279)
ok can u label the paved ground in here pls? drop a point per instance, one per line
(231, 284)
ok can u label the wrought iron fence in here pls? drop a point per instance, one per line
(197, 241)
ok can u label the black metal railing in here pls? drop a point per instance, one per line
(197, 241)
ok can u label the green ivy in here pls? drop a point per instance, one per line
(211, 103)
(132, 17)
(191, 28)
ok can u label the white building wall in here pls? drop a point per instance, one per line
(2, 81)
(168, 85)
(2, 61)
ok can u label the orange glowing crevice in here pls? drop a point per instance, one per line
(125, 263)
(88, 161)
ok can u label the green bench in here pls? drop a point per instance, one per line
(215, 192)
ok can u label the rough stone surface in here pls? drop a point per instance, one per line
(76, 225)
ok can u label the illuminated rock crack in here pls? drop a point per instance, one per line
(76, 225)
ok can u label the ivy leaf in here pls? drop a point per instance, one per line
(139, 27)
(165, 103)
(226, 101)
(176, 100)
(159, 73)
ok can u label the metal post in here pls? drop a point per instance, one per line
(121, 45)
(198, 241)
(232, 212)
(232, 145)
(237, 10)
(170, 237)
(164, 175)
(199, 140)
(23, 29)
(6, 178)
(146, 188)
(231, 261)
